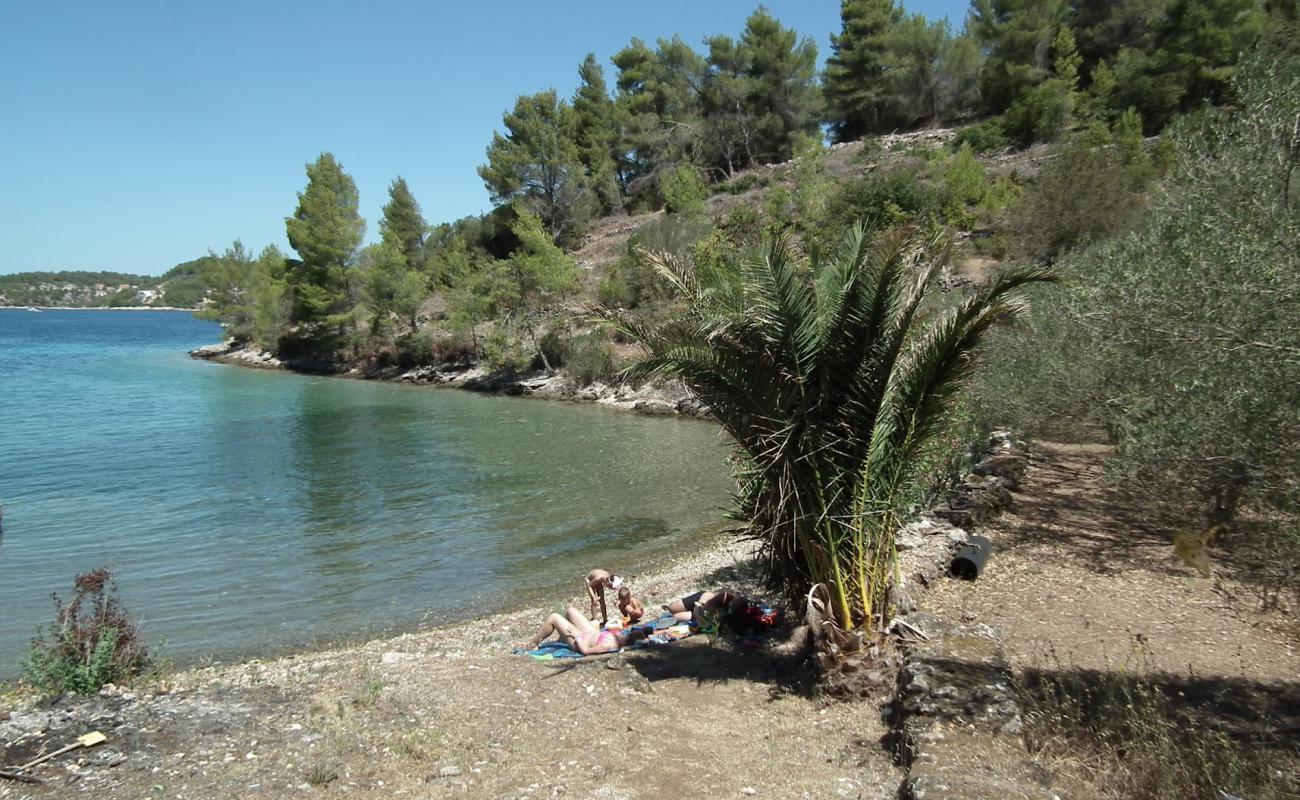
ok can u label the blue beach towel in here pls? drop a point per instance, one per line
(549, 651)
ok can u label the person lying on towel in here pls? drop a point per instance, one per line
(583, 635)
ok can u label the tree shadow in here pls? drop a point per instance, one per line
(1258, 714)
(783, 670)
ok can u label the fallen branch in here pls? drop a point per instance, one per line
(15, 776)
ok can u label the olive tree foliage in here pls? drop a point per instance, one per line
(1181, 336)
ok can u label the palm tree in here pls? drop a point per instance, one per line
(831, 375)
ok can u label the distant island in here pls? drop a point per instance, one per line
(180, 287)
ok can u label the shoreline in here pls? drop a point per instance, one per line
(670, 399)
(716, 550)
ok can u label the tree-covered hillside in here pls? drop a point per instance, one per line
(73, 288)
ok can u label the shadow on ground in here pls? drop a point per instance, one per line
(1260, 714)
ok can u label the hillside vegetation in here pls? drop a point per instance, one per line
(1108, 138)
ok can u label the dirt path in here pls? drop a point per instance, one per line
(1088, 577)
(1137, 673)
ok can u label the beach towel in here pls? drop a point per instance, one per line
(549, 651)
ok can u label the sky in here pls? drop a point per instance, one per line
(137, 135)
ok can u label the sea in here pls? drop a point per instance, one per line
(250, 512)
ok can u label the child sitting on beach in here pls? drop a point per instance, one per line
(629, 606)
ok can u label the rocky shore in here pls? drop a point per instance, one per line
(666, 399)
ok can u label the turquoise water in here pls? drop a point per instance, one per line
(248, 511)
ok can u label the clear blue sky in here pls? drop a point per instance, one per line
(135, 135)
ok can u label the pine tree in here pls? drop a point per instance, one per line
(538, 164)
(857, 94)
(782, 90)
(402, 224)
(325, 230)
(597, 136)
(1017, 35)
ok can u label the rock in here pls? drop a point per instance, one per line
(448, 772)
(748, 791)
(396, 657)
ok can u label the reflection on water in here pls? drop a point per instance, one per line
(247, 510)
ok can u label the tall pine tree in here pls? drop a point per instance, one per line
(596, 133)
(858, 97)
(326, 230)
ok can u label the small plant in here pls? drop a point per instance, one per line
(367, 694)
(93, 640)
(321, 775)
(590, 358)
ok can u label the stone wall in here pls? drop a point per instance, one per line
(955, 717)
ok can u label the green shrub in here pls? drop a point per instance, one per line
(985, 137)
(741, 183)
(415, 349)
(1151, 736)
(589, 358)
(683, 191)
(93, 640)
(878, 200)
(501, 351)
(1086, 193)
(632, 281)
(1039, 114)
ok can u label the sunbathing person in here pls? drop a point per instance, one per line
(739, 614)
(630, 607)
(598, 580)
(582, 635)
(691, 606)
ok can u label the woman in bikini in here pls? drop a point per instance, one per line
(582, 635)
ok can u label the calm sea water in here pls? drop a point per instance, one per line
(248, 511)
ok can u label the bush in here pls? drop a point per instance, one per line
(1180, 336)
(1151, 736)
(879, 200)
(589, 358)
(1039, 114)
(1086, 193)
(455, 349)
(741, 183)
(986, 137)
(632, 281)
(682, 190)
(415, 349)
(93, 640)
(500, 351)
